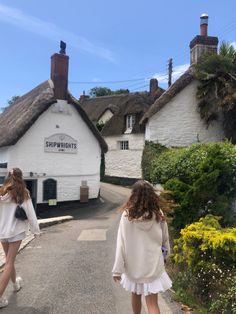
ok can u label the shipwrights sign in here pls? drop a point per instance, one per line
(60, 143)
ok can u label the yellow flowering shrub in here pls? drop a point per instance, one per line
(205, 240)
(206, 255)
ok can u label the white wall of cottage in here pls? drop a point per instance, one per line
(178, 123)
(124, 163)
(68, 169)
(4, 152)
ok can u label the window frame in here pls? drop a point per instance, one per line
(130, 121)
(123, 145)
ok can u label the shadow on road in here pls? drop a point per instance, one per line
(78, 210)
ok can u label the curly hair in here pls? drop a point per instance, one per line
(15, 186)
(144, 202)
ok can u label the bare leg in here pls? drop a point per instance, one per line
(10, 260)
(152, 305)
(136, 303)
(5, 246)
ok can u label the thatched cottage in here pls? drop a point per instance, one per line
(173, 119)
(48, 135)
(122, 131)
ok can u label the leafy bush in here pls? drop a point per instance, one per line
(150, 152)
(226, 302)
(202, 178)
(208, 252)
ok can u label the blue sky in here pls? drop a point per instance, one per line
(107, 40)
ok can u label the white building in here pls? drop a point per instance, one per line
(48, 135)
(122, 132)
(174, 119)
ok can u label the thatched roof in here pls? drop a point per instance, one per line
(20, 116)
(120, 105)
(183, 81)
(95, 107)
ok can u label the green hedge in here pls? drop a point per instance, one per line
(150, 152)
(202, 180)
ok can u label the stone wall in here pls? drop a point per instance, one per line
(124, 163)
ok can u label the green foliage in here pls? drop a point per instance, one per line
(100, 126)
(226, 302)
(102, 167)
(12, 100)
(121, 91)
(227, 50)
(217, 89)
(104, 91)
(100, 91)
(206, 253)
(201, 178)
(150, 152)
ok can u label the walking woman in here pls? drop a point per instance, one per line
(13, 230)
(142, 235)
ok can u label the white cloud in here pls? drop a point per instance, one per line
(51, 31)
(177, 72)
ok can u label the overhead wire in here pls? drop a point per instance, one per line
(150, 74)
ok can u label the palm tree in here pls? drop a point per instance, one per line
(217, 89)
(227, 50)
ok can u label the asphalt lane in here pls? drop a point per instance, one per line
(68, 269)
(64, 275)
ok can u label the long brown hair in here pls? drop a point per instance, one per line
(15, 186)
(144, 202)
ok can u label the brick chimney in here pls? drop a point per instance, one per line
(203, 43)
(59, 72)
(83, 97)
(153, 86)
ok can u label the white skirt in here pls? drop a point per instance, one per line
(161, 284)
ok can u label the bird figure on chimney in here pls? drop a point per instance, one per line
(63, 47)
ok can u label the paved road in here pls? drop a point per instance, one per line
(68, 269)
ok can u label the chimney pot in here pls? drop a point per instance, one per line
(153, 86)
(202, 44)
(83, 97)
(204, 24)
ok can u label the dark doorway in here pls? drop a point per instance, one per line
(32, 187)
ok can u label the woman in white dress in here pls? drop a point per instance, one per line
(12, 229)
(142, 236)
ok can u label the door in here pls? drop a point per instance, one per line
(32, 187)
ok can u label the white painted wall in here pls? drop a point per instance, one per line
(106, 116)
(4, 153)
(178, 123)
(68, 169)
(124, 163)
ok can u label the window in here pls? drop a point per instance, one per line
(130, 121)
(124, 145)
(49, 189)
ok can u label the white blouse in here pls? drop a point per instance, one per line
(10, 226)
(138, 250)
